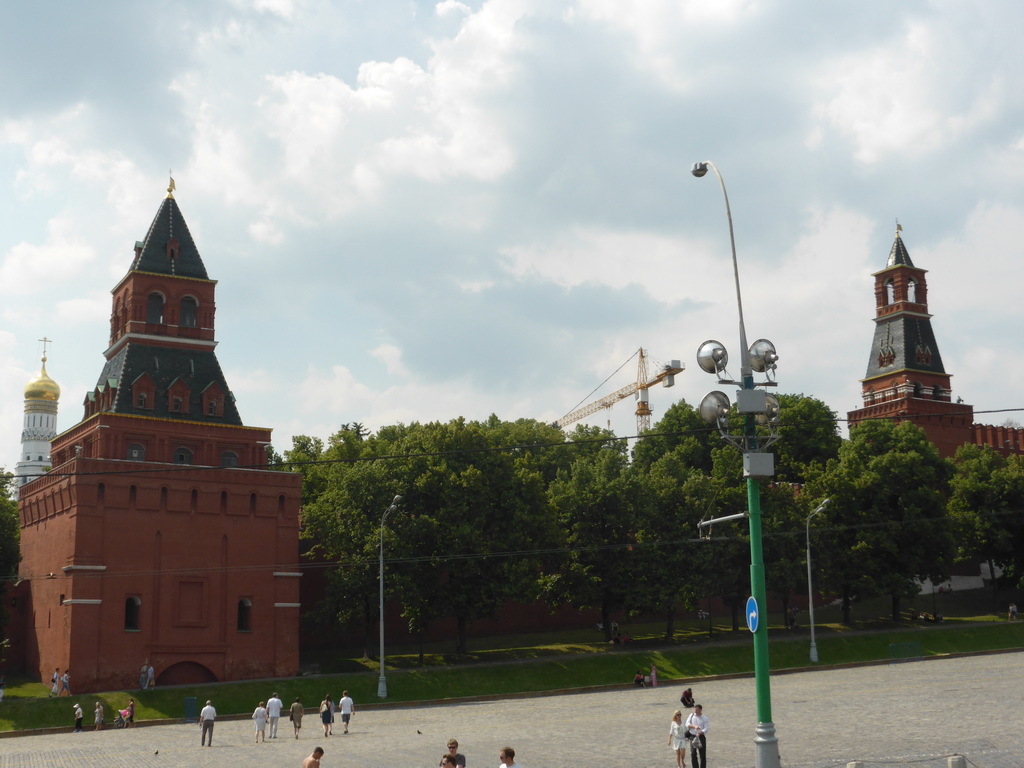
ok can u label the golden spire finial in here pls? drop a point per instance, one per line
(899, 228)
(170, 187)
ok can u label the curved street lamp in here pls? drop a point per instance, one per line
(382, 683)
(810, 591)
(757, 408)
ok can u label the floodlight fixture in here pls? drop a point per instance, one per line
(770, 417)
(763, 356)
(712, 357)
(714, 408)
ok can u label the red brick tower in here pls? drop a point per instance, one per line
(159, 533)
(905, 379)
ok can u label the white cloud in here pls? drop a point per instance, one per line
(904, 97)
(391, 356)
(84, 309)
(63, 258)
(615, 258)
(451, 7)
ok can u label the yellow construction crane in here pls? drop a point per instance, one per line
(665, 377)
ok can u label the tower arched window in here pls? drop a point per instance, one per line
(155, 308)
(182, 455)
(229, 459)
(188, 312)
(137, 452)
(890, 292)
(912, 291)
(245, 615)
(132, 605)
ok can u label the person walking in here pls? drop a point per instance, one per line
(98, 716)
(347, 707)
(313, 761)
(78, 719)
(295, 712)
(274, 705)
(144, 674)
(677, 738)
(55, 682)
(325, 714)
(65, 682)
(150, 677)
(259, 717)
(698, 724)
(129, 719)
(206, 720)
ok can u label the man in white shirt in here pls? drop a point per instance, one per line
(206, 718)
(347, 707)
(697, 725)
(274, 705)
(507, 755)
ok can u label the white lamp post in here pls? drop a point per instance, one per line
(382, 683)
(810, 589)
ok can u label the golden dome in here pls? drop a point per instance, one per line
(42, 387)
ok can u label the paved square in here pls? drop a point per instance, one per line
(915, 712)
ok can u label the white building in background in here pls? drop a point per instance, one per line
(40, 427)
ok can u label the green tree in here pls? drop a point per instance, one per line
(809, 437)
(10, 541)
(986, 496)
(683, 431)
(887, 524)
(596, 502)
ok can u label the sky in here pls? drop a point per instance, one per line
(417, 211)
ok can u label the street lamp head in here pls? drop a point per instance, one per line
(699, 169)
(396, 500)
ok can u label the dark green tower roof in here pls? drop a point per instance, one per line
(898, 256)
(168, 248)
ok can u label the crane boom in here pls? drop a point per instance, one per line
(665, 377)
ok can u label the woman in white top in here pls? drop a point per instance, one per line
(260, 721)
(677, 739)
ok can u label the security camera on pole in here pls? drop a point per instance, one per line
(758, 408)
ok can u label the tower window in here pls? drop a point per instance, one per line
(137, 452)
(176, 405)
(229, 459)
(155, 308)
(182, 456)
(188, 312)
(131, 614)
(912, 291)
(890, 292)
(142, 400)
(245, 615)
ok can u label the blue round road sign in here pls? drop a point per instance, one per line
(752, 615)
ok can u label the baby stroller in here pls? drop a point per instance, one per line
(119, 721)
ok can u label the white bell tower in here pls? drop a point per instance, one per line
(40, 425)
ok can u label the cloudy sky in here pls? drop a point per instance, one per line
(419, 210)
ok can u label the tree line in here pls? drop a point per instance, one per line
(494, 511)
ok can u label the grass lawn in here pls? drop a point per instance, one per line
(528, 663)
